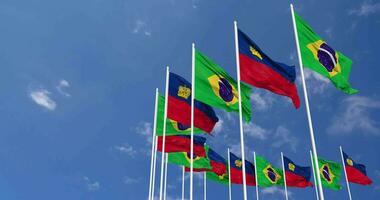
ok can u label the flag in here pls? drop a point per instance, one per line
(179, 105)
(172, 127)
(356, 173)
(330, 173)
(183, 159)
(182, 143)
(259, 70)
(296, 176)
(318, 56)
(219, 170)
(217, 162)
(267, 175)
(236, 166)
(218, 89)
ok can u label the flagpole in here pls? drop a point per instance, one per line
(345, 173)
(315, 180)
(313, 145)
(183, 182)
(164, 131)
(240, 110)
(283, 169)
(154, 167)
(204, 186)
(229, 175)
(166, 174)
(256, 179)
(153, 145)
(192, 118)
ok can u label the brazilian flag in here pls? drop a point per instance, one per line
(183, 159)
(267, 175)
(330, 173)
(222, 179)
(216, 88)
(318, 56)
(172, 127)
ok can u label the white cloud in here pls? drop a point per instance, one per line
(126, 149)
(292, 56)
(329, 32)
(356, 115)
(91, 185)
(60, 87)
(255, 131)
(366, 8)
(275, 190)
(282, 137)
(130, 180)
(218, 127)
(141, 27)
(315, 82)
(41, 97)
(261, 100)
(145, 129)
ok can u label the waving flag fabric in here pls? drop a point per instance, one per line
(267, 175)
(172, 127)
(330, 173)
(318, 56)
(183, 159)
(259, 70)
(181, 143)
(219, 170)
(236, 165)
(356, 173)
(296, 176)
(218, 89)
(179, 105)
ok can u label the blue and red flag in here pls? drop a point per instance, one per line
(296, 176)
(181, 143)
(356, 173)
(259, 70)
(179, 105)
(236, 167)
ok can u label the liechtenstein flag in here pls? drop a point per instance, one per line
(356, 173)
(296, 176)
(179, 105)
(236, 167)
(259, 70)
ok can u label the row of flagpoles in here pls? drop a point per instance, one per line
(284, 170)
(164, 156)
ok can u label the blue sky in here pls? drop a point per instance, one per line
(78, 80)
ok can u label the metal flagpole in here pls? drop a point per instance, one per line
(256, 180)
(229, 175)
(183, 182)
(314, 148)
(153, 144)
(164, 131)
(345, 173)
(283, 169)
(240, 109)
(166, 174)
(315, 180)
(192, 118)
(154, 167)
(204, 186)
